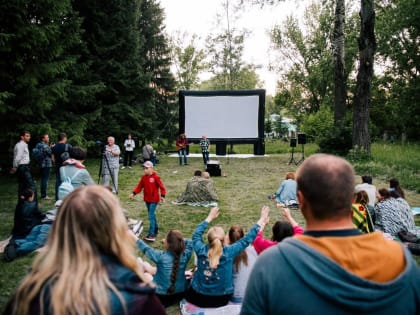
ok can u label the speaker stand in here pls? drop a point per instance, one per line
(303, 155)
(292, 158)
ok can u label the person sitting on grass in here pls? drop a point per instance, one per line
(332, 268)
(394, 184)
(36, 238)
(212, 283)
(200, 190)
(169, 273)
(90, 266)
(280, 230)
(26, 215)
(75, 170)
(360, 213)
(286, 193)
(242, 263)
(393, 214)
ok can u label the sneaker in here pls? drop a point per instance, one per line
(137, 228)
(46, 198)
(10, 251)
(129, 167)
(150, 238)
(123, 167)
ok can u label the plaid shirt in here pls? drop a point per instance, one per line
(204, 144)
(46, 152)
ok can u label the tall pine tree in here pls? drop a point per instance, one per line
(156, 51)
(39, 42)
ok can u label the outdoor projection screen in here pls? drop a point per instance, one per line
(223, 116)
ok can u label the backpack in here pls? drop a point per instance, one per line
(65, 155)
(38, 153)
(66, 185)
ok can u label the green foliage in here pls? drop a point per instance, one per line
(396, 107)
(336, 139)
(87, 68)
(241, 193)
(40, 47)
(316, 124)
(161, 112)
(188, 61)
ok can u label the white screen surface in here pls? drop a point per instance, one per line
(226, 117)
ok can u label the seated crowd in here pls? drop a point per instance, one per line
(91, 266)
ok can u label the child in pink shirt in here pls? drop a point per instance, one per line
(280, 229)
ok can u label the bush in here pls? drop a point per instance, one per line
(336, 140)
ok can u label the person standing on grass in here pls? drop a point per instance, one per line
(21, 160)
(129, 145)
(205, 149)
(45, 163)
(332, 268)
(151, 184)
(181, 146)
(111, 164)
(60, 153)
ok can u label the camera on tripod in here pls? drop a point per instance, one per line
(101, 145)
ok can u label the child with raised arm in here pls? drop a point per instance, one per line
(212, 283)
(280, 230)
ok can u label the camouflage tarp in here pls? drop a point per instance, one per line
(198, 190)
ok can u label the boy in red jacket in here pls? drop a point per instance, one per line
(150, 183)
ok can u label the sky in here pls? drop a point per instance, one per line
(199, 17)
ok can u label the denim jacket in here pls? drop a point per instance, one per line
(217, 281)
(164, 262)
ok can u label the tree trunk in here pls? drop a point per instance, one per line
(339, 68)
(362, 98)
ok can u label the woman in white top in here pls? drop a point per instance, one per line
(129, 146)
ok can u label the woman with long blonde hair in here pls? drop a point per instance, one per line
(212, 283)
(90, 266)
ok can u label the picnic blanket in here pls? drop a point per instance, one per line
(415, 210)
(197, 204)
(191, 309)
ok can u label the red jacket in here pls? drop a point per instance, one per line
(150, 184)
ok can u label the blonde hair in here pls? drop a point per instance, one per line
(215, 237)
(90, 223)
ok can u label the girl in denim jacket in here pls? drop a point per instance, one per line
(169, 273)
(212, 283)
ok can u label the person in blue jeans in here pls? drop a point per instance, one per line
(182, 146)
(36, 238)
(169, 273)
(151, 184)
(45, 164)
(212, 283)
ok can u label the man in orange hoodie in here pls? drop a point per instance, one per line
(332, 268)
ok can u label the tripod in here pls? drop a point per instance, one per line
(292, 158)
(303, 155)
(105, 158)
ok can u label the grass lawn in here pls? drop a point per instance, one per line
(242, 192)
